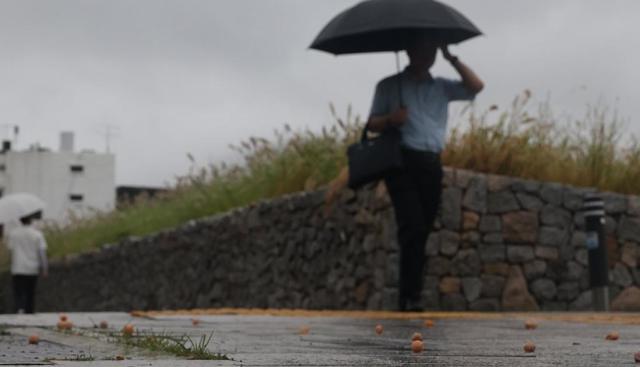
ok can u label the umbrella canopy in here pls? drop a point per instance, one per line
(389, 25)
(19, 205)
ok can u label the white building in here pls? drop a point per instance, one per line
(70, 183)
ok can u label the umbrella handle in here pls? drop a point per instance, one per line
(399, 80)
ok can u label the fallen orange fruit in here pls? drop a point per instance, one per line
(65, 325)
(34, 339)
(530, 325)
(416, 336)
(417, 346)
(103, 324)
(379, 329)
(428, 323)
(614, 335)
(529, 347)
(128, 330)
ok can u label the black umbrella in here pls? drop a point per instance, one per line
(388, 25)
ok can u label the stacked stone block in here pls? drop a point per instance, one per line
(499, 244)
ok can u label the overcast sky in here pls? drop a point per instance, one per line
(192, 76)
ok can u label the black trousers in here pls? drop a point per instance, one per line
(415, 192)
(24, 292)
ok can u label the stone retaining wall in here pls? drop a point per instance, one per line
(500, 244)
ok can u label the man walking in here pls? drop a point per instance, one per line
(417, 104)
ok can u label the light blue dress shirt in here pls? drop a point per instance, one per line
(427, 104)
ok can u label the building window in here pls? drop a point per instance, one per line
(77, 168)
(76, 197)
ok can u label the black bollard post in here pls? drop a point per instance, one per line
(594, 218)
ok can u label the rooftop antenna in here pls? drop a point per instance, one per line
(16, 132)
(109, 132)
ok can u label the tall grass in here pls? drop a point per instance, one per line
(292, 161)
(588, 152)
(515, 142)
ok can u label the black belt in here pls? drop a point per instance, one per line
(424, 154)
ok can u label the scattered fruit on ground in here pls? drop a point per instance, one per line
(34, 339)
(379, 329)
(104, 324)
(65, 325)
(304, 330)
(529, 347)
(614, 335)
(416, 336)
(417, 346)
(428, 323)
(530, 325)
(127, 330)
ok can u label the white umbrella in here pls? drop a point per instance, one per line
(18, 205)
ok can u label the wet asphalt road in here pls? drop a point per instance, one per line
(276, 341)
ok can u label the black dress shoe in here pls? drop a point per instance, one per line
(402, 304)
(414, 306)
(410, 305)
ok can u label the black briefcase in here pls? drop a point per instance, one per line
(373, 159)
